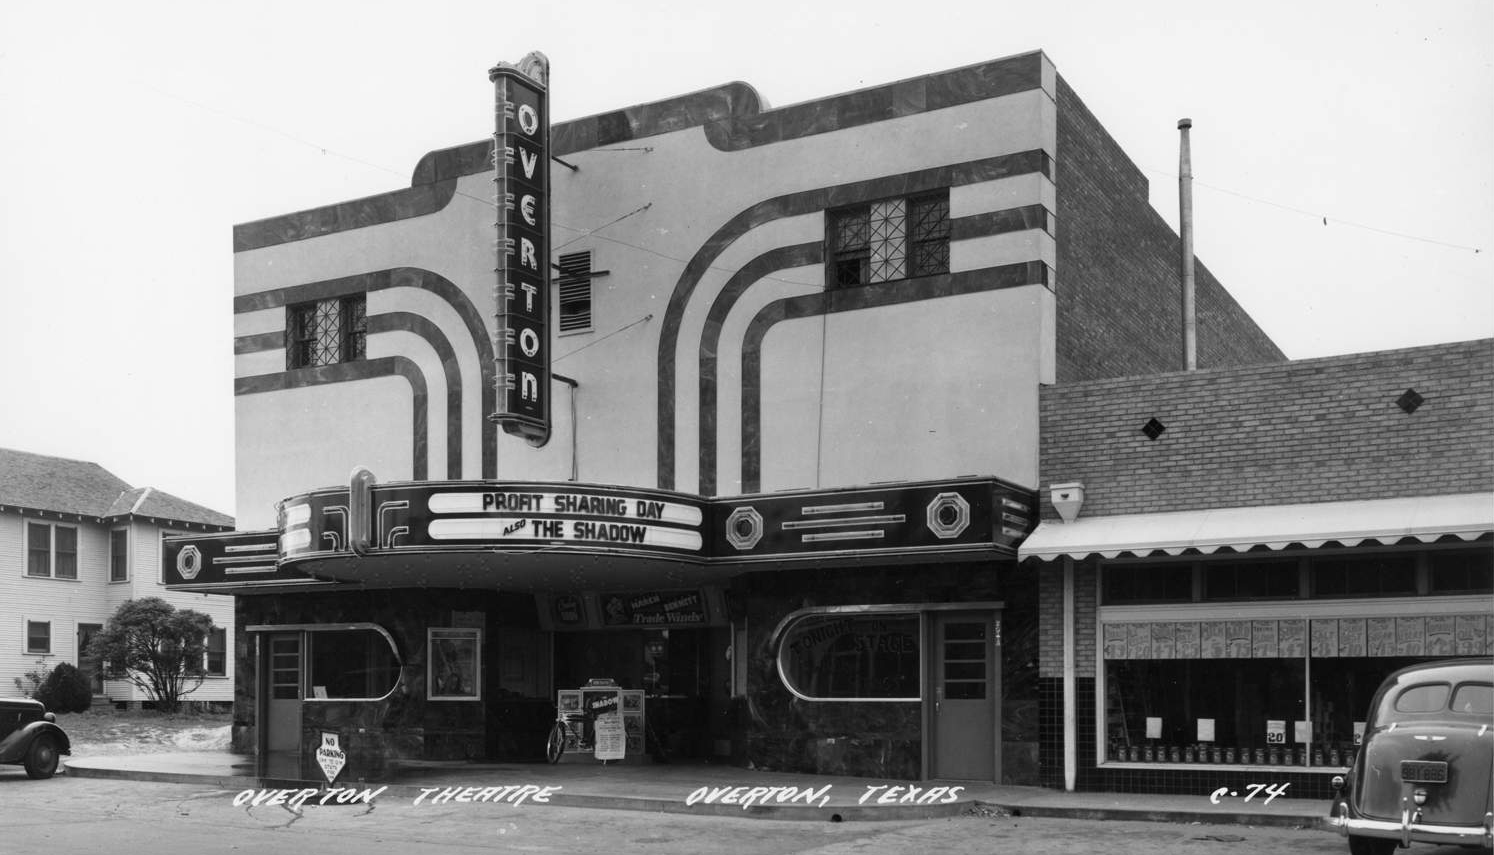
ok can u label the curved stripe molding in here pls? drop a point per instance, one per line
(796, 204)
(399, 277)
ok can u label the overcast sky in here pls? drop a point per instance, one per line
(1344, 188)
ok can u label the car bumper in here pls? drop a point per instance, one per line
(1463, 835)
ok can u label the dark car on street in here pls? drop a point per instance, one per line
(30, 737)
(1425, 771)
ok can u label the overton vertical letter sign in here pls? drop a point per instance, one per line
(521, 159)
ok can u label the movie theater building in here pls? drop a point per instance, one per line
(762, 458)
(1231, 561)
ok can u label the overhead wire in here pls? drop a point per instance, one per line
(1318, 215)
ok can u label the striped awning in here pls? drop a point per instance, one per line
(1425, 518)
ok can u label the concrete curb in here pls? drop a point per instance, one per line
(1179, 817)
(803, 813)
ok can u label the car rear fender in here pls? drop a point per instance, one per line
(14, 747)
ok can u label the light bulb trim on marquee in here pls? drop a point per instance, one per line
(521, 162)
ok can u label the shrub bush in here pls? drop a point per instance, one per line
(66, 690)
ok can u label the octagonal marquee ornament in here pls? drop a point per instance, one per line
(744, 528)
(189, 562)
(948, 515)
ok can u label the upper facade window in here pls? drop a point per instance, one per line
(326, 332)
(574, 283)
(888, 240)
(51, 550)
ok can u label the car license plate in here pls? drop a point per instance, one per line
(1424, 771)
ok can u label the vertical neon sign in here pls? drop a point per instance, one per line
(521, 161)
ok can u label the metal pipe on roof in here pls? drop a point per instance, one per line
(1185, 232)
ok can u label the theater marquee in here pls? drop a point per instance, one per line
(641, 546)
(521, 160)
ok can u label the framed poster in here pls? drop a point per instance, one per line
(453, 664)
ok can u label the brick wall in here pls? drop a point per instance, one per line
(1050, 619)
(1313, 430)
(1119, 288)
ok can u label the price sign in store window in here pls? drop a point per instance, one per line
(1303, 731)
(1276, 732)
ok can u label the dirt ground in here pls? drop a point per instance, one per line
(108, 731)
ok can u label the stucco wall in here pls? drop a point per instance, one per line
(705, 224)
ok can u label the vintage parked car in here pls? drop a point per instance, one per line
(1425, 771)
(29, 736)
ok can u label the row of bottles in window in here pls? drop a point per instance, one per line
(1337, 756)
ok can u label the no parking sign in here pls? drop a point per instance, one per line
(330, 756)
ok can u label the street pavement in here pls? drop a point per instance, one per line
(70, 813)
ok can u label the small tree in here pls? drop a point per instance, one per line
(156, 646)
(31, 682)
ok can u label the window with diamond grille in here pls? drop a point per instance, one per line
(326, 332)
(928, 235)
(850, 246)
(574, 283)
(888, 240)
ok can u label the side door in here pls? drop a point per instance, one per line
(89, 665)
(966, 682)
(283, 685)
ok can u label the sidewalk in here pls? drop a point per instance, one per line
(721, 791)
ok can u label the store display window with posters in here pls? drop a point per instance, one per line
(1283, 674)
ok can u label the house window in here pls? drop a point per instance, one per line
(326, 332)
(38, 549)
(119, 555)
(217, 652)
(574, 284)
(888, 240)
(38, 636)
(51, 550)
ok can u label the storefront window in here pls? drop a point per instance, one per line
(1198, 711)
(351, 664)
(1462, 571)
(1148, 583)
(1342, 689)
(1364, 576)
(1283, 691)
(1251, 580)
(851, 656)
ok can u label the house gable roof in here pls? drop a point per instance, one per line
(78, 487)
